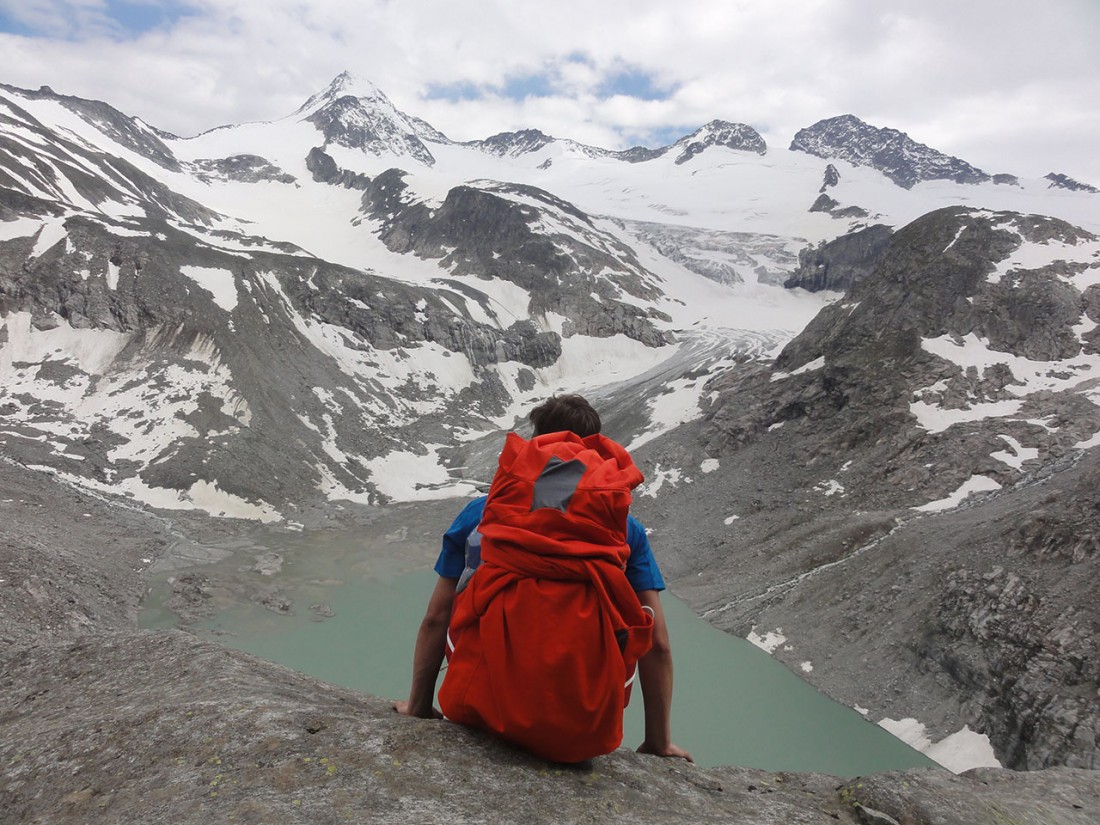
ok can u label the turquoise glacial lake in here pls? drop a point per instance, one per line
(732, 705)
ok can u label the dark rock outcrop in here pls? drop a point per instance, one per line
(830, 178)
(244, 169)
(347, 122)
(324, 168)
(841, 263)
(831, 206)
(513, 144)
(1060, 181)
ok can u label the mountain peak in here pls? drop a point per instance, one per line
(355, 113)
(894, 153)
(344, 84)
(738, 136)
(1060, 181)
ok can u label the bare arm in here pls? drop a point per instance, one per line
(431, 641)
(655, 675)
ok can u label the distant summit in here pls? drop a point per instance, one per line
(354, 113)
(736, 136)
(344, 84)
(894, 153)
(513, 144)
(1060, 181)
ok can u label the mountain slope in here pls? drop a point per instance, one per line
(895, 495)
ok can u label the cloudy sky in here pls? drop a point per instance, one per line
(1008, 85)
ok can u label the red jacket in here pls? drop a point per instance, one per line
(544, 640)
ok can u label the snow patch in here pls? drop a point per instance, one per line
(1016, 454)
(936, 419)
(676, 405)
(93, 350)
(20, 228)
(961, 751)
(219, 282)
(830, 488)
(816, 364)
(709, 465)
(1077, 374)
(658, 478)
(769, 642)
(208, 496)
(975, 484)
(408, 476)
(1089, 443)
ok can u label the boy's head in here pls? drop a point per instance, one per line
(562, 413)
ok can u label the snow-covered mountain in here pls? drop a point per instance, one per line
(415, 291)
(813, 351)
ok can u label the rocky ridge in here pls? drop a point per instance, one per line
(1060, 181)
(893, 153)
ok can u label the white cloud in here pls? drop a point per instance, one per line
(1005, 84)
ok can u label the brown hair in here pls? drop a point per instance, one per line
(561, 413)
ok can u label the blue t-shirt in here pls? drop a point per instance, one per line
(641, 568)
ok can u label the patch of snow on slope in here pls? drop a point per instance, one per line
(92, 350)
(19, 228)
(408, 476)
(507, 302)
(678, 404)
(1072, 374)
(816, 364)
(975, 484)
(1016, 454)
(220, 283)
(334, 490)
(201, 496)
(52, 231)
(961, 751)
(1089, 443)
(936, 419)
(831, 487)
(1032, 255)
(588, 362)
(209, 497)
(769, 642)
(657, 479)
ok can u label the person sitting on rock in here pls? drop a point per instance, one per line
(548, 600)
